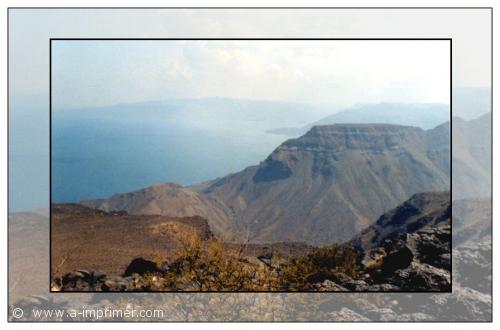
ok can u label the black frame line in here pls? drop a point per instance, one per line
(243, 39)
(253, 8)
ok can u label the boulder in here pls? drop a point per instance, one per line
(398, 259)
(432, 245)
(328, 286)
(357, 285)
(421, 277)
(141, 266)
(81, 280)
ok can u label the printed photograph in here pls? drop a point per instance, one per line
(272, 165)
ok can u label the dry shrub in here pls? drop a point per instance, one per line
(208, 265)
(323, 263)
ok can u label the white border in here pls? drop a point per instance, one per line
(227, 3)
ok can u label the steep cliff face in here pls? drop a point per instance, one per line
(332, 182)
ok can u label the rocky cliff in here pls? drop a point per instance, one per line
(334, 181)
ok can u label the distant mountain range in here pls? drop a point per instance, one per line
(210, 113)
(409, 114)
(468, 103)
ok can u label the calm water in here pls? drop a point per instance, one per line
(96, 157)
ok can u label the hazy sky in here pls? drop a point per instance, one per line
(31, 29)
(93, 73)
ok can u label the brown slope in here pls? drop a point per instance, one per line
(332, 182)
(85, 238)
(170, 200)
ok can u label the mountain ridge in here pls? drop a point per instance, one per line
(327, 184)
(423, 115)
(322, 187)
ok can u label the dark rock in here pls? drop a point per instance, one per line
(423, 211)
(421, 277)
(320, 276)
(349, 283)
(357, 285)
(419, 261)
(141, 266)
(88, 281)
(81, 280)
(266, 255)
(432, 245)
(399, 259)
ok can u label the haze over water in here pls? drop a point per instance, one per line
(97, 155)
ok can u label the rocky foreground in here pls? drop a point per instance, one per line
(469, 300)
(402, 264)
(415, 255)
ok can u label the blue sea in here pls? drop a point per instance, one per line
(105, 151)
(95, 159)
